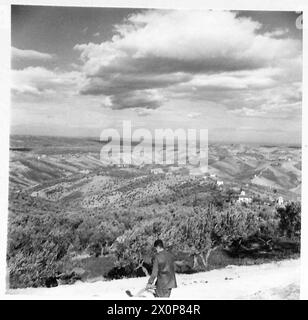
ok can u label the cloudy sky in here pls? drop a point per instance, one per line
(76, 71)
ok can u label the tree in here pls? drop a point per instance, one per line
(208, 229)
(290, 219)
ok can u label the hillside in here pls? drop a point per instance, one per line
(68, 209)
(66, 163)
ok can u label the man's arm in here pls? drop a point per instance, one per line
(154, 271)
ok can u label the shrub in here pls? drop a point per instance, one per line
(42, 239)
(290, 219)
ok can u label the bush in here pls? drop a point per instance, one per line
(37, 243)
(195, 230)
(290, 219)
(41, 242)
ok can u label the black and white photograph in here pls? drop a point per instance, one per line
(154, 153)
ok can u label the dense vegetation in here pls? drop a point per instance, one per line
(43, 237)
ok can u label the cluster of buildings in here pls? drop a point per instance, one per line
(243, 198)
(157, 171)
(197, 172)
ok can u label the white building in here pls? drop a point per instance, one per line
(220, 183)
(280, 201)
(157, 171)
(242, 199)
(243, 193)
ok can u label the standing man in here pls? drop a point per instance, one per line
(163, 271)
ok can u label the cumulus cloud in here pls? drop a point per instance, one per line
(282, 102)
(252, 79)
(146, 99)
(112, 84)
(277, 32)
(19, 54)
(208, 55)
(39, 81)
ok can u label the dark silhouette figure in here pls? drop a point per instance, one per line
(163, 271)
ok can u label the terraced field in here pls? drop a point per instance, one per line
(71, 170)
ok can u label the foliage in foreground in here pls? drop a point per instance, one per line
(41, 242)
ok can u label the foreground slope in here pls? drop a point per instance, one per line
(277, 280)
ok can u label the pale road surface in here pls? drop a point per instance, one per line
(276, 280)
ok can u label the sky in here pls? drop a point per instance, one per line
(77, 71)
